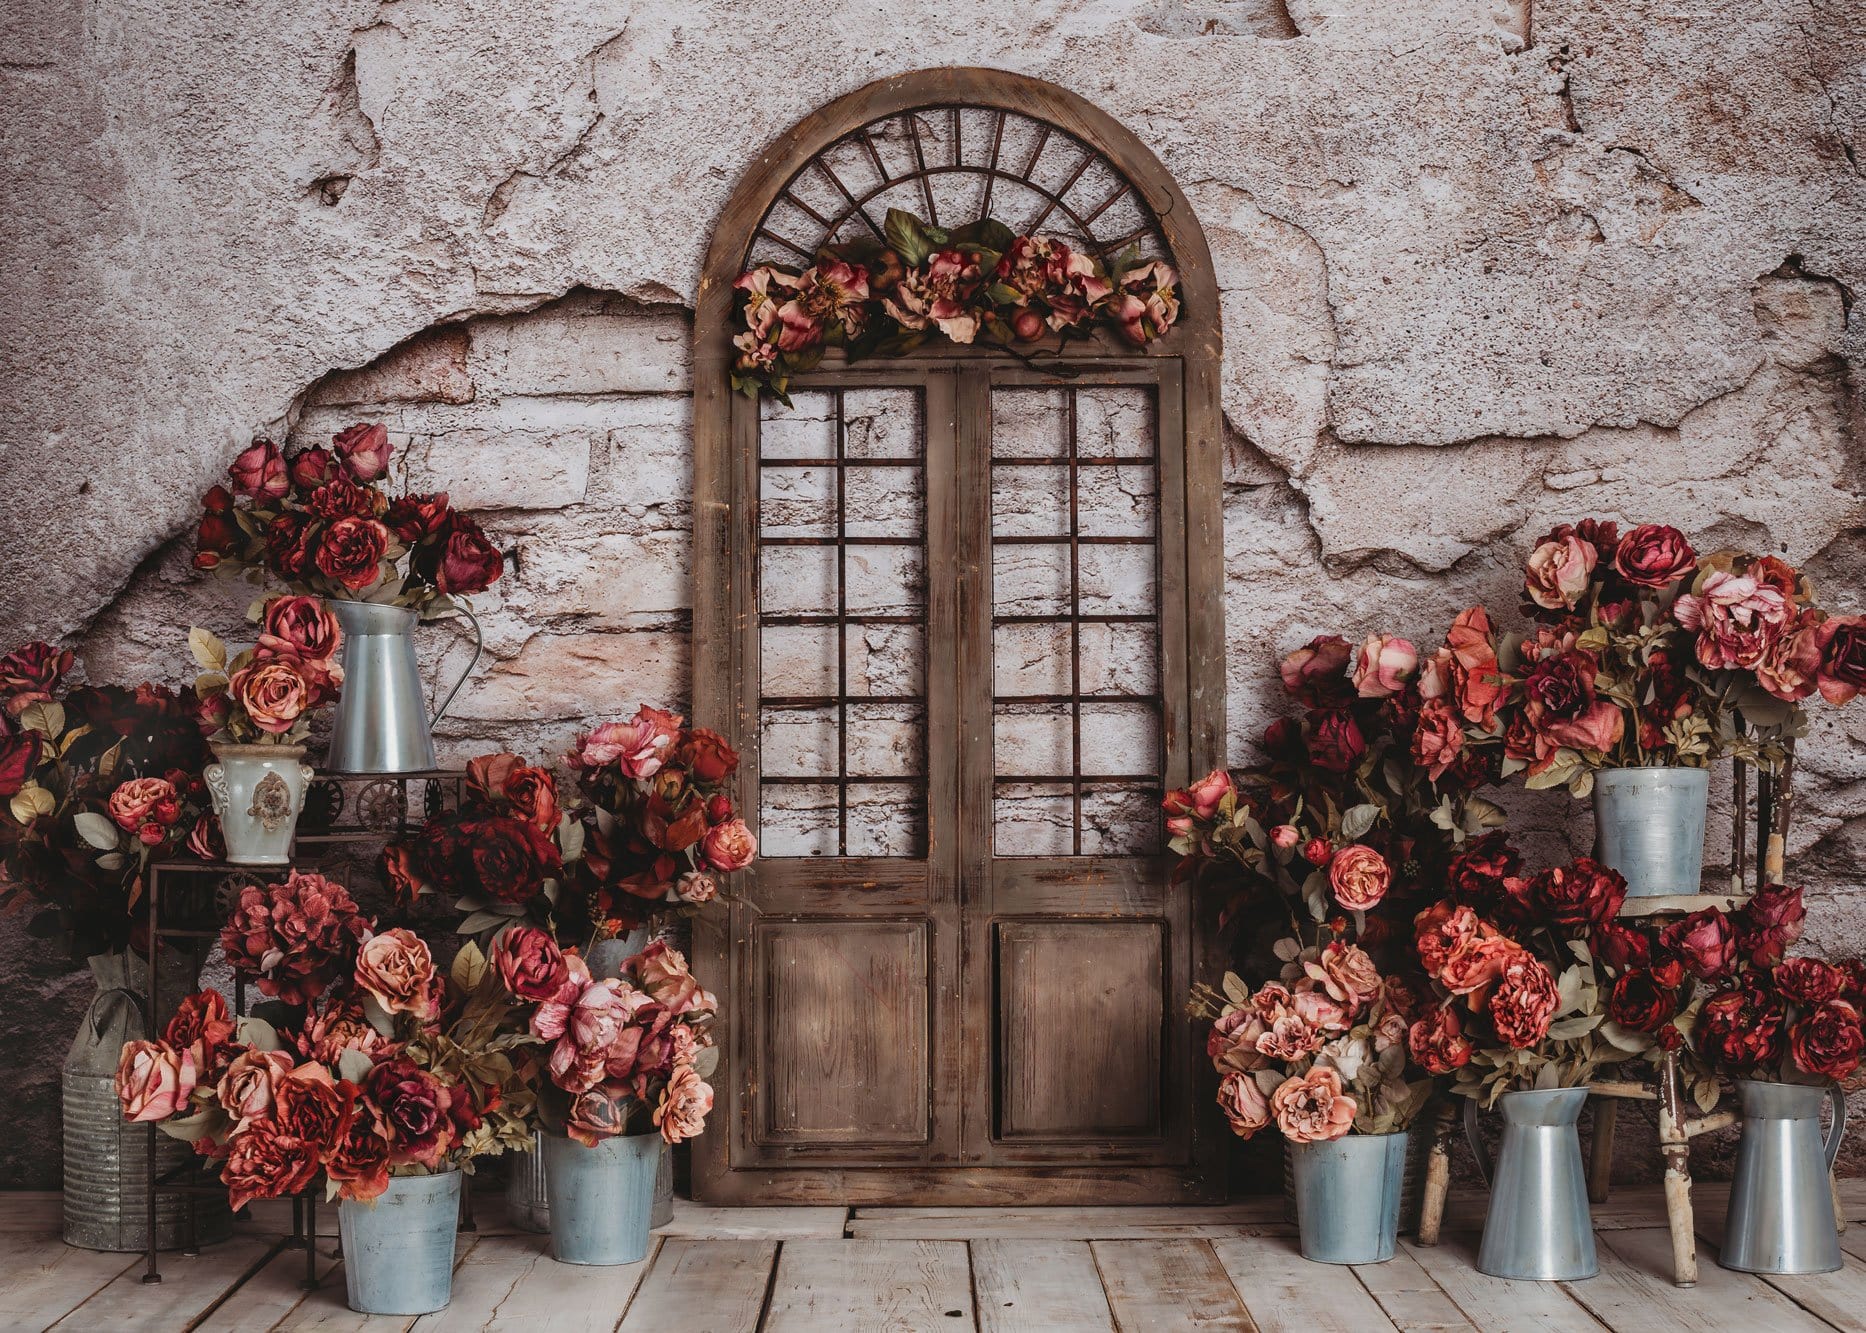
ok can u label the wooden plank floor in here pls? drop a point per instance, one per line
(943, 1270)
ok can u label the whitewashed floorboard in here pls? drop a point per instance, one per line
(1038, 1286)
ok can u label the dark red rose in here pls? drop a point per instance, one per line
(399, 869)
(19, 756)
(1703, 942)
(1479, 871)
(1640, 1002)
(359, 1161)
(1670, 695)
(529, 962)
(1586, 893)
(532, 793)
(266, 1164)
(312, 468)
(1827, 1041)
(290, 539)
(468, 563)
(1563, 685)
(1316, 675)
(1808, 981)
(508, 858)
(706, 755)
(1335, 741)
(341, 498)
(413, 1105)
(365, 450)
(1655, 556)
(415, 517)
(203, 1027)
(1740, 1030)
(1842, 672)
(1438, 1043)
(1854, 992)
(29, 674)
(351, 552)
(259, 472)
(718, 808)
(1768, 923)
(1618, 946)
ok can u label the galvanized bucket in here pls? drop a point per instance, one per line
(601, 1197)
(1419, 1137)
(398, 1249)
(1649, 826)
(528, 1201)
(382, 723)
(1538, 1227)
(106, 1179)
(1781, 1214)
(1348, 1197)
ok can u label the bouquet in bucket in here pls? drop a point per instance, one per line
(323, 523)
(373, 1064)
(616, 1055)
(662, 831)
(96, 782)
(501, 857)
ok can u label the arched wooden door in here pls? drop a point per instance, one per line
(960, 612)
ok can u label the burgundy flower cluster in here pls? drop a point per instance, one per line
(294, 939)
(321, 522)
(501, 846)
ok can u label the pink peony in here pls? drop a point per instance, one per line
(684, 1104)
(1524, 1001)
(638, 747)
(1737, 617)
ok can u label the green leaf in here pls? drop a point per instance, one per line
(488, 918)
(908, 235)
(986, 233)
(97, 830)
(257, 1033)
(354, 1065)
(31, 801)
(570, 838)
(706, 1062)
(112, 861)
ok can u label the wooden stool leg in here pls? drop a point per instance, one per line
(1437, 1174)
(1676, 1146)
(1840, 1209)
(1600, 1149)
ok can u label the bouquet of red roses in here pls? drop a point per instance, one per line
(96, 782)
(323, 523)
(662, 829)
(618, 1055)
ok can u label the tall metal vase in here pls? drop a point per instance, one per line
(1781, 1217)
(1538, 1227)
(1649, 826)
(382, 723)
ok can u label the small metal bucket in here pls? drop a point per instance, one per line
(398, 1250)
(1649, 826)
(1348, 1197)
(1538, 1226)
(527, 1197)
(601, 1198)
(381, 723)
(1781, 1214)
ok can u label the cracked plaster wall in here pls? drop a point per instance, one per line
(1484, 266)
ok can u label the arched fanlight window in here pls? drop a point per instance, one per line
(957, 603)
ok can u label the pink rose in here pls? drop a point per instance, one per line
(729, 846)
(1289, 1039)
(1346, 973)
(1383, 665)
(154, 1080)
(301, 628)
(365, 450)
(259, 472)
(1284, 837)
(1524, 1001)
(1313, 1108)
(1209, 792)
(601, 1113)
(1360, 877)
(274, 694)
(1737, 618)
(1558, 572)
(132, 802)
(398, 970)
(1321, 1011)
(1790, 669)
(1654, 556)
(1842, 671)
(1232, 1042)
(942, 292)
(1246, 1108)
(529, 963)
(247, 1088)
(696, 887)
(684, 1104)
(662, 971)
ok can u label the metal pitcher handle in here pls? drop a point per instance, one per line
(1836, 1131)
(479, 648)
(1485, 1167)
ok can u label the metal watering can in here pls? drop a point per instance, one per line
(1538, 1226)
(1781, 1217)
(382, 723)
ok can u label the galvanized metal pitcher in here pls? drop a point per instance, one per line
(1538, 1226)
(382, 723)
(1781, 1217)
(1649, 826)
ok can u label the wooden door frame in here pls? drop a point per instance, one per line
(724, 546)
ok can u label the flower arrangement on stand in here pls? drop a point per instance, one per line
(324, 523)
(661, 832)
(374, 1072)
(982, 282)
(1321, 1053)
(620, 1076)
(263, 701)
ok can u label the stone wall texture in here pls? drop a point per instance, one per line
(1485, 265)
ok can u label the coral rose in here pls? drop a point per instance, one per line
(132, 801)
(1477, 680)
(294, 938)
(1524, 1001)
(359, 1159)
(1558, 572)
(1438, 740)
(265, 1164)
(1828, 1041)
(1438, 1043)
(259, 472)
(1360, 877)
(273, 694)
(1313, 1108)
(309, 1104)
(1346, 973)
(1383, 665)
(246, 1090)
(1289, 1039)
(1246, 1109)
(663, 973)
(706, 756)
(302, 628)
(729, 846)
(1480, 963)
(684, 1104)
(1654, 556)
(154, 1080)
(364, 450)
(203, 1027)
(398, 970)
(1442, 930)
(1209, 792)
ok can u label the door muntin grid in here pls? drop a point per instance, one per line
(1077, 704)
(842, 609)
